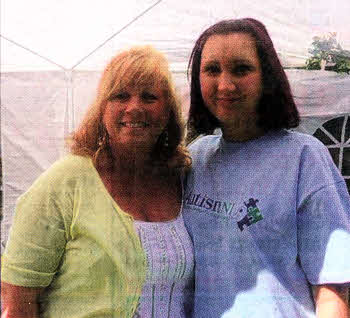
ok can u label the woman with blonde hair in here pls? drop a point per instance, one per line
(101, 234)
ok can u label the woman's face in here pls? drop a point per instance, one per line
(231, 78)
(135, 117)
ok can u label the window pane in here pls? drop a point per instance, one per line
(348, 184)
(347, 130)
(334, 127)
(335, 155)
(320, 135)
(346, 162)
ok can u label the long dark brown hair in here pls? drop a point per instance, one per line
(276, 109)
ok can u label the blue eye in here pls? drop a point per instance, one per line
(241, 69)
(121, 96)
(148, 97)
(212, 69)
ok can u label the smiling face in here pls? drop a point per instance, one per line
(135, 117)
(231, 81)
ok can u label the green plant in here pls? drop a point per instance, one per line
(342, 65)
(327, 49)
(313, 63)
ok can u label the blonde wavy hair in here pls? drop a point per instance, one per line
(137, 66)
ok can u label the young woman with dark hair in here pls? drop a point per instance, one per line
(276, 108)
(267, 210)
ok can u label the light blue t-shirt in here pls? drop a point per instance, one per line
(268, 218)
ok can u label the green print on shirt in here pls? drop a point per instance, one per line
(253, 214)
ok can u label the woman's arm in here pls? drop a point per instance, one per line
(19, 302)
(331, 301)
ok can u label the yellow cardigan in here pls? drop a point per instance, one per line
(69, 236)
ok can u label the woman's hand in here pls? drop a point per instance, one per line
(331, 301)
(19, 302)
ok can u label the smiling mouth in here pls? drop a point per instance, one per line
(228, 99)
(138, 124)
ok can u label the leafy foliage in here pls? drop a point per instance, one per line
(327, 48)
(313, 63)
(342, 65)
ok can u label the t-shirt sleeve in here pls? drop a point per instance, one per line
(323, 219)
(38, 234)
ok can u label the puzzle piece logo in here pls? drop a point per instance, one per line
(253, 214)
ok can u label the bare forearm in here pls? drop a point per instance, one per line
(331, 301)
(21, 310)
(19, 302)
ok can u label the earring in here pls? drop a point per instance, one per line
(103, 138)
(166, 138)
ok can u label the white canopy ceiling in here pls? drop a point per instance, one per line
(50, 47)
(84, 35)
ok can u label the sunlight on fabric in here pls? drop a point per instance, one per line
(64, 31)
(85, 35)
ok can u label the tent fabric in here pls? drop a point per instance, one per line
(323, 99)
(52, 53)
(39, 109)
(83, 36)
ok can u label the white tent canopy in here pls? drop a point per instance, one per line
(67, 33)
(52, 53)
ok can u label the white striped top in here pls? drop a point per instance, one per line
(168, 290)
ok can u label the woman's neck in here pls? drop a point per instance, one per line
(239, 132)
(130, 161)
(131, 181)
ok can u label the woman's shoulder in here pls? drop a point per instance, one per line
(310, 151)
(302, 138)
(72, 163)
(296, 140)
(204, 142)
(292, 144)
(68, 168)
(284, 138)
(59, 179)
(308, 145)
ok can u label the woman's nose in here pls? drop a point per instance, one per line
(134, 104)
(226, 82)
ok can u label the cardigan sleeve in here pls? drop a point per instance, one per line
(39, 232)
